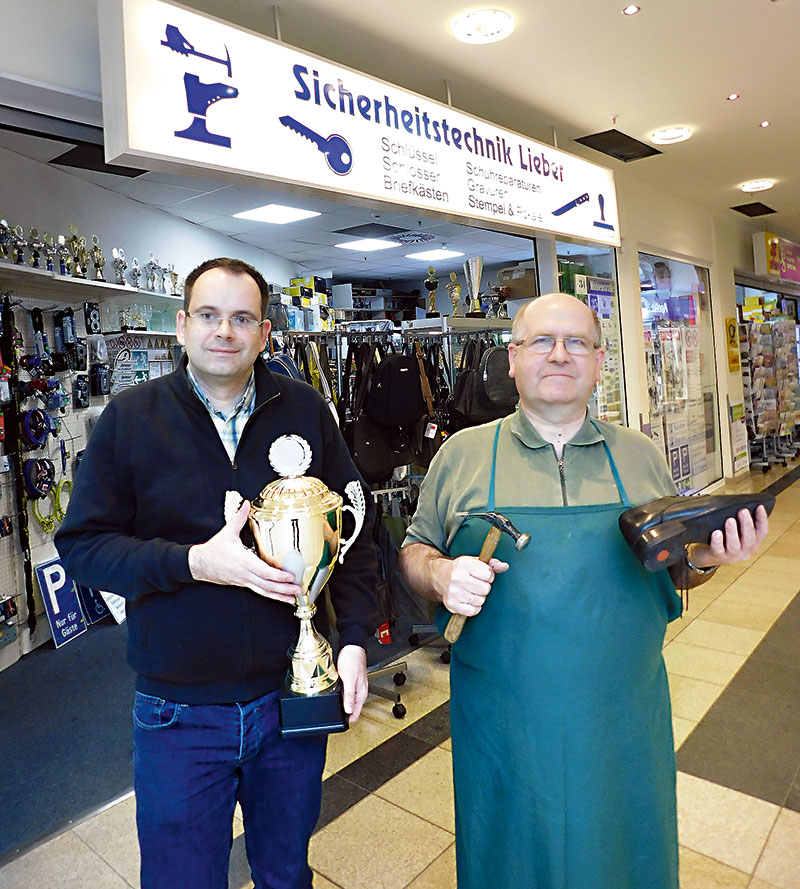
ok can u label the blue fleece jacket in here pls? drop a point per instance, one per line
(151, 484)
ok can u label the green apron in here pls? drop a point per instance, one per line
(563, 760)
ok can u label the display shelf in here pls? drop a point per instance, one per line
(75, 290)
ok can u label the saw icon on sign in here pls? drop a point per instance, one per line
(335, 148)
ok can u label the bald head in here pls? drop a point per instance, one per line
(528, 315)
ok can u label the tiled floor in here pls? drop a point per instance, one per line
(387, 820)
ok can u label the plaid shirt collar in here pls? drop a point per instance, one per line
(230, 427)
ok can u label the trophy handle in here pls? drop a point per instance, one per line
(359, 508)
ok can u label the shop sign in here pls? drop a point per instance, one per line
(60, 601)
(183, 91)
(773, 255)
(598, 293)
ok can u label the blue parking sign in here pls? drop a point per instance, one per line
(60, 601)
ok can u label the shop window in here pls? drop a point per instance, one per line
(590, 274)
(681, 370)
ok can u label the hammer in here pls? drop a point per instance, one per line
(499, 525)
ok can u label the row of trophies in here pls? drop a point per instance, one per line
(489, 304)
(71, 257)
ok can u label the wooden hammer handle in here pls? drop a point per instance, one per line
(456, 623)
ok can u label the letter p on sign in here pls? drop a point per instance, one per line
(54, 578)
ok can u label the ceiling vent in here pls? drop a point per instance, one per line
(413, 237)
(755, 208)
(618, 145)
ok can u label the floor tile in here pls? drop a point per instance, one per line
(741, 614)
(700, 872)
(786, 566)
(112, 835)
(321, 882)
(780, 861)
(433, 728)
(338, 795)
(723, 637)
(793, 799)
(383, 763)
(681, 729)
(691, 698)
(425, 789)
(698, 662)
(754, 592)
(721, 823)
(425, 666)
(345, 850)
(784, 548)
(66, 862)
(742, 744)
(440, 874)
(365, 735)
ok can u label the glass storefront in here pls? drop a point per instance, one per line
(590, 274)
(681, 370)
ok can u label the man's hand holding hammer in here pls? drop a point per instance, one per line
(460, 584)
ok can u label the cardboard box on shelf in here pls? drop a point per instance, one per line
(312, 281)
(520, 280)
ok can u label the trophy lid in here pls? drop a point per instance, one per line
(294, 494)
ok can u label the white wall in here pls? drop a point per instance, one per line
(35, 194)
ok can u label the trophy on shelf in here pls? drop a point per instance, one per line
(98, 258)
(297, 526)
(473, 269)
(151, 268)
(35, 245)
(63, 251)
(454, 293)
(119, 264)
(79, 253)
(431, 283)
(19, 243)
(5, 240)
(173, 280)
(50, 252)
(135, 273)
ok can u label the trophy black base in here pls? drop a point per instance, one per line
(320, 714)
(476, 315)
(433, 314)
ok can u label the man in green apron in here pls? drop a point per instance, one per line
(563, 760)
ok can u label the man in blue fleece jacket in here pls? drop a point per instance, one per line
(209, 623)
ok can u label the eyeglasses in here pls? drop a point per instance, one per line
(238, 323)
(544, 345)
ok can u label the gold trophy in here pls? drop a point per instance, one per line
(297, 525)
(431, 283)
(98, 258)
(454, 292)
(473, 269)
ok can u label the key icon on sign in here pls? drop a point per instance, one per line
(335, 148)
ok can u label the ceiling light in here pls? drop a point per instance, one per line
(631, 10)
(482, 25)
(670, 135)
(438, 253)
(757, 185)
(277, 214)
(764, 124)
(732, 97)
(365, 245)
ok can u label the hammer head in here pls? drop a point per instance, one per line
(503, 524)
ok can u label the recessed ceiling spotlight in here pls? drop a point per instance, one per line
(482, 25)
(631, 10)
(764, 124)
(277, 214)
(438, 253)
(732, 97)
(365, 245)
(757, 185)
(670, 135)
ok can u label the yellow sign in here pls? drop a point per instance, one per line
(732, 335)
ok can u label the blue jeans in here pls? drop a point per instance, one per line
(192, 763)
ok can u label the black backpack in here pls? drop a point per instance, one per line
(395, 397)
